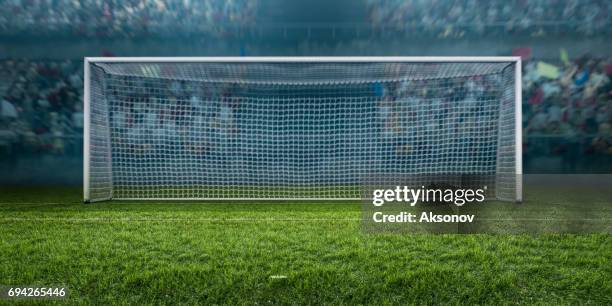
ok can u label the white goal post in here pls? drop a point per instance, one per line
(295, 128)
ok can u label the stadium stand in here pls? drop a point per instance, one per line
(135, 18)
(481, 17)
(171, 18)
(47, 98)
(566, 104)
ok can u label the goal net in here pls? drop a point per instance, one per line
(295, 128)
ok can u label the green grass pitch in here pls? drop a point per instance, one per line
(279, 253)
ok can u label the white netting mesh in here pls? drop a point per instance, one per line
(100, 173)
(297, 130)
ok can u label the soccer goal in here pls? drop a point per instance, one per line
(296, 127)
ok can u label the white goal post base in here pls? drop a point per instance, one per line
(295, 128)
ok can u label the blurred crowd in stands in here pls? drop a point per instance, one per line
(456, 18)
(176, 18)
(42, 108)
(119, 18)
(568, 111)
(41, 105)
(578, 101)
